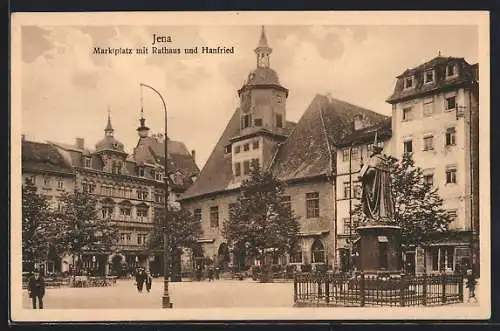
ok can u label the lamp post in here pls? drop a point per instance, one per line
(166, 297)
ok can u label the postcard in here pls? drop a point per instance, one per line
(170, 166)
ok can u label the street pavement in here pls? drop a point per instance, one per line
(205, 294)
(216, 294)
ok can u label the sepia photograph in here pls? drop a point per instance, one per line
(229, 166)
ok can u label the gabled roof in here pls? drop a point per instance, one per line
(323, 126)
(466, 75)
(307, 152)
(43, 157)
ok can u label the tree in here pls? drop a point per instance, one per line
(81, 229)
(183, 230)
(418, 208)
(261, 223)
(37, 225)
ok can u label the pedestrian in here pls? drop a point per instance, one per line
(139, 279)
(149, 281)
(471, 285)
(217, 272)
(36, 289)
(210, 274)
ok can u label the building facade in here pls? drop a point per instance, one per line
(129, 188)
(435, 117)
(302, 155)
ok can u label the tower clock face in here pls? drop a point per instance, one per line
(115, 145)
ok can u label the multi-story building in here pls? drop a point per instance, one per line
(302, 155)
(435, 112)
(130, 189)
(351, 151)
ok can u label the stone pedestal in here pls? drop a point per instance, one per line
(380, 249)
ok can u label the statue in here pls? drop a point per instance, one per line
(376, 183)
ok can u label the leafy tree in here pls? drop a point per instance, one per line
(260, 223)
(418, 208)
(80, 227)
(183, 230)
(37, 225)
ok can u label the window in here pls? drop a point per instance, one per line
(107, 211)
(159, 197)
(197, 214)
(318, 252)
(428, 107)
(159, 176)
(442, 258)
(60, 183)
(227, 149)
(312, 205)
(347, 188)
(255, 144)
(122, 236)
(451, 70)
(46, 181)
(214, 217)
(31, 179)
(428, 143)
(125, 211)
(237, 149)
(347, 226)
(142, 239)
(450, 137)
(355, 153)
(116, 167)
(409, 82)
(345, 154)
(407, 114)
(88, 162)
(246, 121)
(237, 169)
(279, 120)
(255, 164)
(357, 189)
(141, 171)
(451, 103)
(246, 167)
(408, 146)
(451, 175)
(246, 147)
(142, 212)
(258, 122)
(429, 179)
(429, 76)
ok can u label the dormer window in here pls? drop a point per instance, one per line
(140, 171)
(451, 70)
(158, 176)
(246, 121)
(237, 149)
(88, 162)
(429, 77)
(227, 149)
(409, 82)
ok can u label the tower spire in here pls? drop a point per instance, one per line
(263, 50)
(143, 130)
(109, 128)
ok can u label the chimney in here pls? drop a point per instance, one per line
(193, 154)
(23, 137)
(80, 143)
(358, 122)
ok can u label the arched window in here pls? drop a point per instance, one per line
(318, 252)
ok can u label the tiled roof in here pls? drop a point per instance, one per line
(43, 157)
(322, 127)
(465, 70)
(305, 153)
(217, 172)
(383, 130)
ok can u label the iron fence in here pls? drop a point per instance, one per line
(316, 290)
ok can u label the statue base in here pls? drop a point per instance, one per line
(379, 249)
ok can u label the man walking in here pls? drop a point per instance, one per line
(471, 285)
(36, 289)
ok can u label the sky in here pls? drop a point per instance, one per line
(66, 90)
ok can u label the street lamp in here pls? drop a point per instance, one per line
(166, 297)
